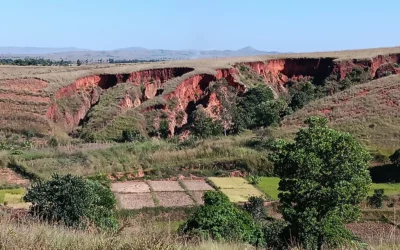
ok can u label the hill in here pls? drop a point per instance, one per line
(130, 53)
(369, 111)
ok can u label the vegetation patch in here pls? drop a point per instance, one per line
(236, 188)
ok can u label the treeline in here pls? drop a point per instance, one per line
(135, 60)
(33, 62)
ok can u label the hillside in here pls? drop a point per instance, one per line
(369, 111)
(104, 100)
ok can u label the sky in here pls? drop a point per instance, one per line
(284, 26)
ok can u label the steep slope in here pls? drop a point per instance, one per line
(369, 111)
(105, 100)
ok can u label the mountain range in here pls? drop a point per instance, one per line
(129, 53)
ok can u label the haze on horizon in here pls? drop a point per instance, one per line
(295, 26)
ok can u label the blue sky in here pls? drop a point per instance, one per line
(291, 25)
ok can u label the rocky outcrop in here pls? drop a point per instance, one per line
(90, 89)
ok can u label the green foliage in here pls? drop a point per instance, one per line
(204, 126)
(302, 93)
(274, 234)
(254, 179)
(255, 207)
(250, 103)
(78, 63)
(219, 219)
(74, 201)
(164, 129)
(377, 199)
(324, 177)
(52, 142)
(269, 113)
(33, 61)
(395, 158)
(132, 136)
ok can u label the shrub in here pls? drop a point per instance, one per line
(275, 235)
(74, 201)
(164, 129)
(377, 199)
(254, 179)
(395, 158)
(52, 142)
(221, 220)
(255, 207)
(131, 136)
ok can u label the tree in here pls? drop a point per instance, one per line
(376, 200)
(203, 125)
(78, 63)
(74, 201)
(324, 177)
(164, 129)
(249, 104)
(255, 207)
(221, 220)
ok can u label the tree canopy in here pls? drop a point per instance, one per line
(324, 177)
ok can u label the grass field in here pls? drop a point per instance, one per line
(237, 189)
(12, 196)
(390, 189)
(269, 185)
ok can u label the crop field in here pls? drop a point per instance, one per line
(390, 188)
(236, 188)
(269, 185)
(13, 198)
(140, 194)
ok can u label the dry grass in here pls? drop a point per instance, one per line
(369, 111)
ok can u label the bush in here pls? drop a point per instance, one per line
(274, 233)
(254, 179)
(255, 207)
(395, 158)
(164, 129)
(204, 126)
(219, 219)
(131, 136)
(52, 142)
(74, 201)
(377, 199)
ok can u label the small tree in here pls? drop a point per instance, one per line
(204, 126)
(324, 177)
(395, 158)
(73, 201)
(131, 136)
(377, 199)
(255, 207)
(221, 220)
(78, 63)
(164, 129)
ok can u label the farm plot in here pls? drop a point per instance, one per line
(13, 198)
(269, 185)
(140, 194)
(236, 188)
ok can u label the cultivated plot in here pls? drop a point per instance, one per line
(174, 199)
(130, 187)
(140, 194)
(236, 188)
(134, 200)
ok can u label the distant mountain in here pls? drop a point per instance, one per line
(36, 51)
(129, 53)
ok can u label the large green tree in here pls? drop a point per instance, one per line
(74, 201)
(324, 177)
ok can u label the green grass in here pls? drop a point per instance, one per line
(11, 195)
(269, 185)
(390, 189)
